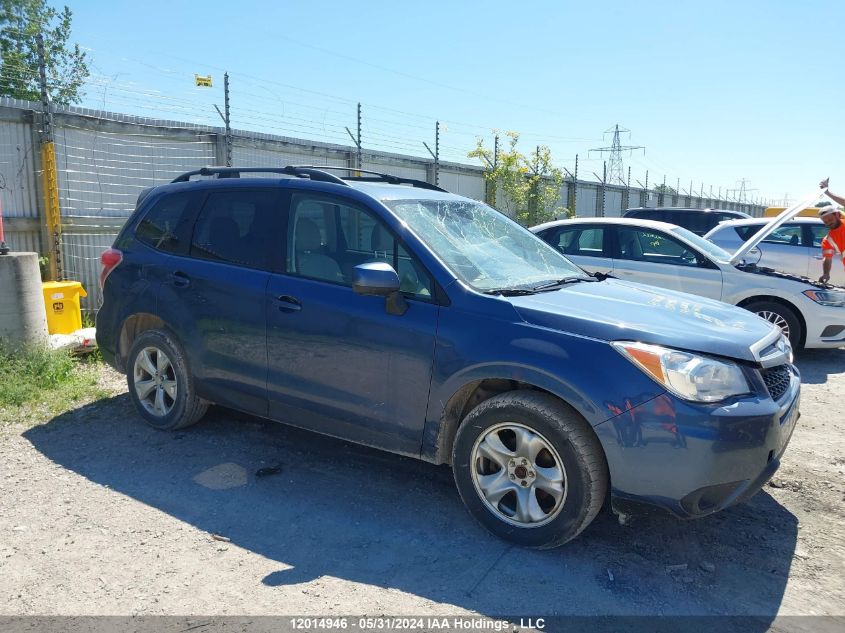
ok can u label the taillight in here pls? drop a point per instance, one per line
(109, 259)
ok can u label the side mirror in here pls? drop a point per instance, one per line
(380, 280)
(376, 279)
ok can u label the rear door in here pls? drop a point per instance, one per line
(585, 244)
(217, 293)
(653, 257)
(339, 363)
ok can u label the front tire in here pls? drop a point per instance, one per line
(529, 468)
(160, 383)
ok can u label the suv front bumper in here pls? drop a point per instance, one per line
(692, 459)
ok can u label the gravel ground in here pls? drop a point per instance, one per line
(100, 515)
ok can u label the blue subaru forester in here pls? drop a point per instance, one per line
(389, 312)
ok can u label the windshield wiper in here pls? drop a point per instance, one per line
(545, 287)
(510, 292)
(557, 283)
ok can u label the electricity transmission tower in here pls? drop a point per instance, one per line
(742, 191)
(615, 168)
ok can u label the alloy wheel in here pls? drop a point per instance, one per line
(774, 317)
(519, 475)
(154, 380)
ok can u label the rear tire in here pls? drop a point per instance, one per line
(782, 316)
(529, 468)
(160, 382)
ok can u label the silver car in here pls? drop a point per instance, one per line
(794, 247)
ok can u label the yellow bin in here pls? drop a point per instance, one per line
(61, 298)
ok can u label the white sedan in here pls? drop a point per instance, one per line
(668, 256)
(795, 247)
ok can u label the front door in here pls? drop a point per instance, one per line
(339, 363)
(653, 257)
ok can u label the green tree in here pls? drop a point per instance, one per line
(66, 64)
(525, 188)
(665, 189)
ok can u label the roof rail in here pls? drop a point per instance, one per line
(314, 173)
(375, 176)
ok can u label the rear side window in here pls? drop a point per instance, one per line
(818, 233)
(645, 215)
(582, 241)
(164, 227)
(238, 227)
(789, 234)
(696, 222)
(746, 232)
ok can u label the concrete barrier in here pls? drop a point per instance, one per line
(23, 319)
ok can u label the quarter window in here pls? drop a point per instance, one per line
(164, 226)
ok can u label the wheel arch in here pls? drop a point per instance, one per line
(781, 301)
(472, 393)
(131, 328)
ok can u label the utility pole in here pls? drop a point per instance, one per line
(616, 168)
(49, 170)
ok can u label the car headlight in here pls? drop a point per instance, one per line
(688, 376)
(827, 297)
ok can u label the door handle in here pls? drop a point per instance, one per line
(180, 280)
(288, 303)
(818, 257)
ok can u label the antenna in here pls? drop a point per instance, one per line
(615, 167)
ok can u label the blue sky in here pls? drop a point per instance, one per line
(716, 91)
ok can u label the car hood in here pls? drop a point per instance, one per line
(615, 310)
(784, 216)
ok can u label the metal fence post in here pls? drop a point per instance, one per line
(49, 171)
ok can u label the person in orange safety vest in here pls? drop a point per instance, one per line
(833, 244)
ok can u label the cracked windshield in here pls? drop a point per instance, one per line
(483, 247)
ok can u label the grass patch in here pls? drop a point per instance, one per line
(39, 383)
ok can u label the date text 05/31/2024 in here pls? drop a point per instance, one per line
(414, 623)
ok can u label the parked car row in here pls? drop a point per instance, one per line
(389, 312)
(793, 248)
(699, 221)
(671, 257)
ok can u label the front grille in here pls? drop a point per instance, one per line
(777, 380)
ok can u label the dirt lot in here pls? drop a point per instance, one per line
(101, 515)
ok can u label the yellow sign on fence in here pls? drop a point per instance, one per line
(203, 82)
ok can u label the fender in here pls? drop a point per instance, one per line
(594, 396)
